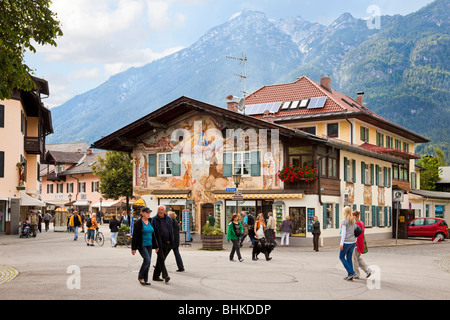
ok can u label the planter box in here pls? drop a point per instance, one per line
(212, 242)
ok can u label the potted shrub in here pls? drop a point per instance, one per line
(212, 237)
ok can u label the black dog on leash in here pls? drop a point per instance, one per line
(262, 246)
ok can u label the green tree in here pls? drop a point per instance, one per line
(23, 23)
(430, 175)
(116, 176)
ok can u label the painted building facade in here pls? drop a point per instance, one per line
(186, 153)
(24, 124)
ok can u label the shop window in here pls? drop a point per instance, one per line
(298, 219)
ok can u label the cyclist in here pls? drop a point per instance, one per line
(92, 225)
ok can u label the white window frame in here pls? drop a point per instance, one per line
(368, 216)
(245, 164)
(95, 186)
(49, 188)
(69, 187)
(349, 170)
(82, 187)
(164, 165)
(331, 224)
(60, 187)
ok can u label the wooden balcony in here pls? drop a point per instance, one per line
(329, 186)
(33, 145)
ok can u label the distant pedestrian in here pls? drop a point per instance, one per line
(358, 262)
(270, 229)
(176, 241)
(315, 230)
(162, 224)
(235, 230)
(39, 221)
(92, 226)
(114, 225)
(348, 242)
(211, 220)
(83, 220)
(47, 218)
(144, 241)
(124, 219)
(34, 222)
(286, 230)
(260, 241)
(75, 223)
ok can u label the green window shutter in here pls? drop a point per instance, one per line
(363, 213)
(354, 207)
(378, 216)
(255, 163)
(354, 170)
(390, 216)
(176, 164)
(378, 139)
(386, 216)
(227, 164)
(363, 172)
(389, 178)
(362, 133)
(385, 176)
(324, 206)
(382, 140)
(377, 175)
(372, 172)
(337, 215)
(152, 165)
(345, 169)
(374, 216)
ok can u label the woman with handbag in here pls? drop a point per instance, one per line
(348, 242)
(361, 248)
(234, 233)
(260, 241)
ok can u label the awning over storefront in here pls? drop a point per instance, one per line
(28, 201)
(59, 203)
(263, 194)
(82, 203)
(140, 202)
(171, 194)
(106, 204)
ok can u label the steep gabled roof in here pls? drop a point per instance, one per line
(337, 105)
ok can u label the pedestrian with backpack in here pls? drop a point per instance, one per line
(361, 248)
(92, 225)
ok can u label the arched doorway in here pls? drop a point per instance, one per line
(207, 208)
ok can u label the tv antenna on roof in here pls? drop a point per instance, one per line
(243, 77)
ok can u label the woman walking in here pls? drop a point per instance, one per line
(260, 229)
(114, 226)
(235, 230)
(348, 242)
(286, 229)
(143, 240)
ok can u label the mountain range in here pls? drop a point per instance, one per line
(402, 66)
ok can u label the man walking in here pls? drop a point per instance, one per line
(162, 224)
(75, 223)
(315, 229)
(358, 262)
(47, 219)
(271, 225)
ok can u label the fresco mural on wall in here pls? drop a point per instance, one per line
(200, 142)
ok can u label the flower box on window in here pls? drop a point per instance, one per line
(295, 173)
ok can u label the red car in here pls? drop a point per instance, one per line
(428, 227)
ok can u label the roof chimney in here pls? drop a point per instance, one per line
(325, 82)
(360, 98)
(89, 151)
(270, 117)
(232, 104)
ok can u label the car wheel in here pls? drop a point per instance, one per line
(440, 236)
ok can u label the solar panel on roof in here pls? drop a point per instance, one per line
(272, 107)
(316, 103)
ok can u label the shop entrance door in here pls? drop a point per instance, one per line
(207, 209)
(298, 218)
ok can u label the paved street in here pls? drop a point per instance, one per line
(53, 266)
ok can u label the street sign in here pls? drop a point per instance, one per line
(230, 189)
(237, 197)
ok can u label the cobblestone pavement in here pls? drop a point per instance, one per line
(54, 266)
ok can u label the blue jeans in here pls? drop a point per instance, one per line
(146, 253)
(75, 231)
(345, 255)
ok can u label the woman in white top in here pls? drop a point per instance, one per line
(348, 242)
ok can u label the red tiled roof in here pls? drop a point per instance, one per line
(378, 149)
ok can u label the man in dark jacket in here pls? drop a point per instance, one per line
(162, 224)
(315, 229)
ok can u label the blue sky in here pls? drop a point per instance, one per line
(105, 37)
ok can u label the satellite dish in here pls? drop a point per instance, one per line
(241, 105)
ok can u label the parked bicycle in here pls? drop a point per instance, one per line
(99, 237)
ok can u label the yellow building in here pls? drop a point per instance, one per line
(24, 124)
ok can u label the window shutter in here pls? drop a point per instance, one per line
(176, 164)
(390, 216)
(363, 172)
(386, 216)
(227, 164)
(362, 133)
(354, 170)
(378, 216)
(337, 215)
(345, 169)
(355, 207)
(385, 176)
(377, 175)
(255, 163)
(2, 164)
(324, 215)
(372, 174)
(363, 213)
(2, 116)
(389, 178)
(152, 165)
(374, 216)
(378, 139)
